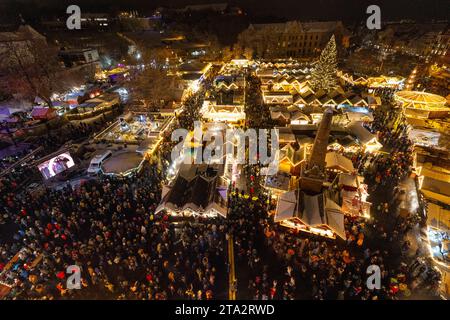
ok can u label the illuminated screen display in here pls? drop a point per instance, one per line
(56, 165)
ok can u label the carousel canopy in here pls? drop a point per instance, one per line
(420, 100)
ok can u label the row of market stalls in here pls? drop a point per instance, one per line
(434, 185)
(77, 100)
(287, 90)
(316, 184)
(202, 189)
(351, 139)
(428, 117)
(382, 81)
(224, 101)
(100, 103)
(64, 102)
(113, 75)
(289, 82)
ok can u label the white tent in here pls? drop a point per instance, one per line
(286, 206)
(335, 218)
(337, 161)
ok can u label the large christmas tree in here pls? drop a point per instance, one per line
(323, 75)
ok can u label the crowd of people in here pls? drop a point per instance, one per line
(390, 167)
(22, 174)
(278, 264)
(313, 268)
(107, 228)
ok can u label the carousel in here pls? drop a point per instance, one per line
(422, 104)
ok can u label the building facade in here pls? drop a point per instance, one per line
(292, 39)
(74, 57)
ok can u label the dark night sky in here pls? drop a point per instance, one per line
(350, 10)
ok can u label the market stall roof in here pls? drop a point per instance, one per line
(384, 81)
(437, 216)
(335, 218)
(294, 156)
(109, 97)
(191, 76)
(336, 160)
(59, 104)
(346, 140)
(196, 188)
(429, 138)
(42, 112)
(317, 210)
(435, 182)
(360, 116)
(193, 66)
(286, 206)
(279, 181)
(350, 180)
(89, 105)
(311, 209)
(95, 100)
(364, 136)
(436, 196)
(4, 114)
(285, 135)
(117, 70)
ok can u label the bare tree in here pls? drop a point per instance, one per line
(34, 70)
(152, 86)
(156, 57)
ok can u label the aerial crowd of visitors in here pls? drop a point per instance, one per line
(108, 228)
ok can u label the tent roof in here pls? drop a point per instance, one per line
(436, 186)
(359, 116)
(356, 128)
(350, 180)
(4, 111)
(338, 161)
(335, 218)
(40, 111)
(311, 209)
(420, 97)
(286, 206)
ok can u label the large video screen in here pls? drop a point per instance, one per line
(56, 165)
